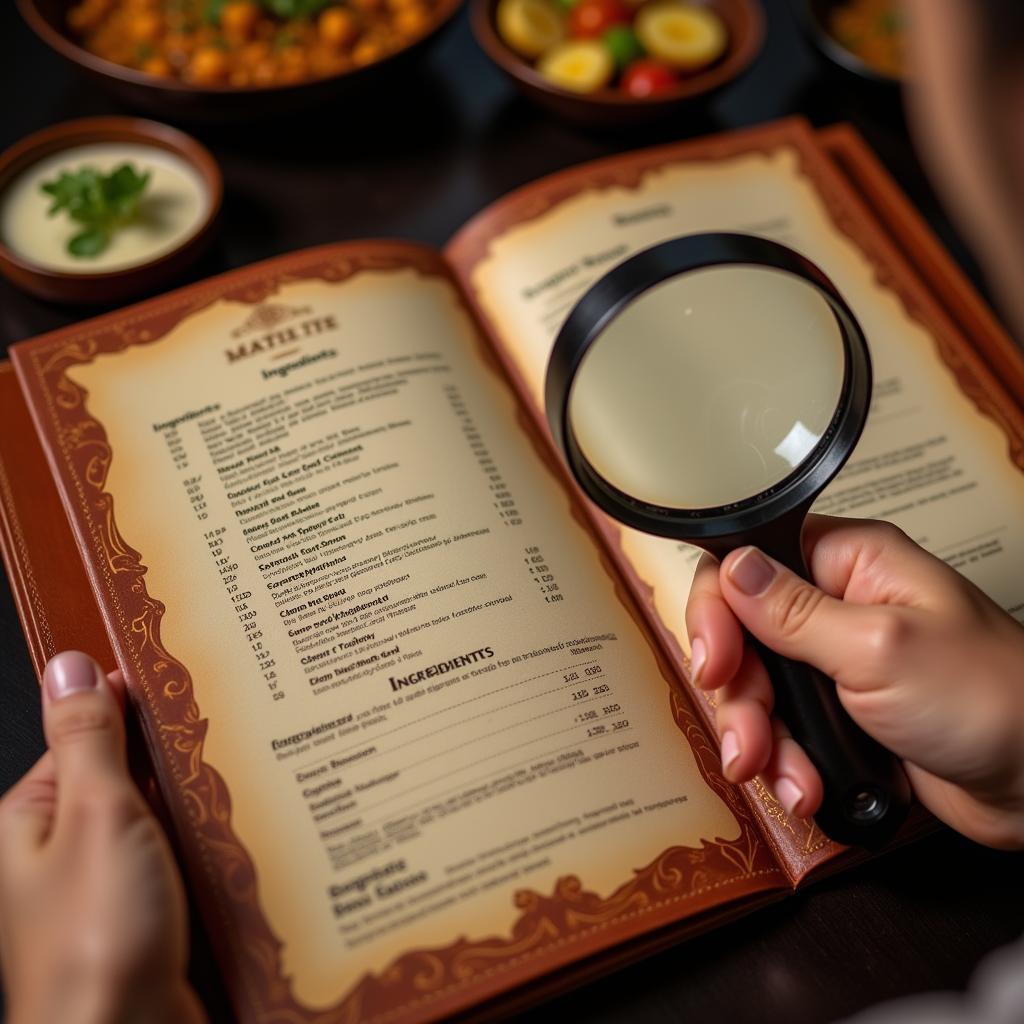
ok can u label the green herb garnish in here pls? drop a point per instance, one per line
(286, 10)
(284, 39)
(101, 203)
(292, 10)
(212, 11)
(891, 22)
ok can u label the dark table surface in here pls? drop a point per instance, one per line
(417, 166)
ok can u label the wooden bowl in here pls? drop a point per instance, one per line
(813, 16)
(610, 108)
(105, 287)
(176, 100)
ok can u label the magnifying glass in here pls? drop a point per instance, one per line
(707, 389)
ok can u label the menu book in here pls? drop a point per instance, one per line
(417, 713)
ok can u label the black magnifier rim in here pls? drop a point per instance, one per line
(620, 286)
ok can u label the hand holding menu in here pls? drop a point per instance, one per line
(418, 714)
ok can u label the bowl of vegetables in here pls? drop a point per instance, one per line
(218, 60)
(613, 63)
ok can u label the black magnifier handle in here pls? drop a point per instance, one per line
(867, 793)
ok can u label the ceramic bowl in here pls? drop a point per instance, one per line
(105, 287)
(814, 16)
(611, 108)
(176, 100)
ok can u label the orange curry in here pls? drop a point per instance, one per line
(248, 42)
(873, 31)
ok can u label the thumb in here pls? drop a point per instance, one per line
(83, 723)
(790, 615)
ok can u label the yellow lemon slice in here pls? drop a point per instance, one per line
(529, 26)
(685, 37)
(581, 65)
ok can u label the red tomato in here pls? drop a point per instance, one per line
(647, 78)
(590, 19)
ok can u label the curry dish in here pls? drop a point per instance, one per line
(873, 31)
(246, 43)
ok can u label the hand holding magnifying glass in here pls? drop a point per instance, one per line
(707, 390)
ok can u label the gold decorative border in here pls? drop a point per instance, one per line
(551, 932)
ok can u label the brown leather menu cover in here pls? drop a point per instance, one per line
(44, 566)
(559, 937)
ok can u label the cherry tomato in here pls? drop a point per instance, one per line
(590, 19)
(647, 78)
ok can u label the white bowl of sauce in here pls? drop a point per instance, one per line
(174, 221)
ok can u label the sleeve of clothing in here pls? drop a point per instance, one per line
(995, 995)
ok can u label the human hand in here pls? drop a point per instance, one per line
(923, 662)
(92, 910)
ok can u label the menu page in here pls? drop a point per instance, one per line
(929, 460)
(418, 683)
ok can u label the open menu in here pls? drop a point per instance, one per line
(417, 713)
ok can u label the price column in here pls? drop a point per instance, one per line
(240, 598)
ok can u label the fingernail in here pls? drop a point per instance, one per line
(698, 658)
(730, 749)
(752, 572)
(69, 672)
(789, 794)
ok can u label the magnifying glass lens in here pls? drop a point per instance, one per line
(706, 390)
(709, 388)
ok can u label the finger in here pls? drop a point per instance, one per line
(790, 775)
(795, 618)
(716, 638)
(986, 823)
(867, 561)
(84, 726)
(742, 717)
(116, 681)
(27, 810)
